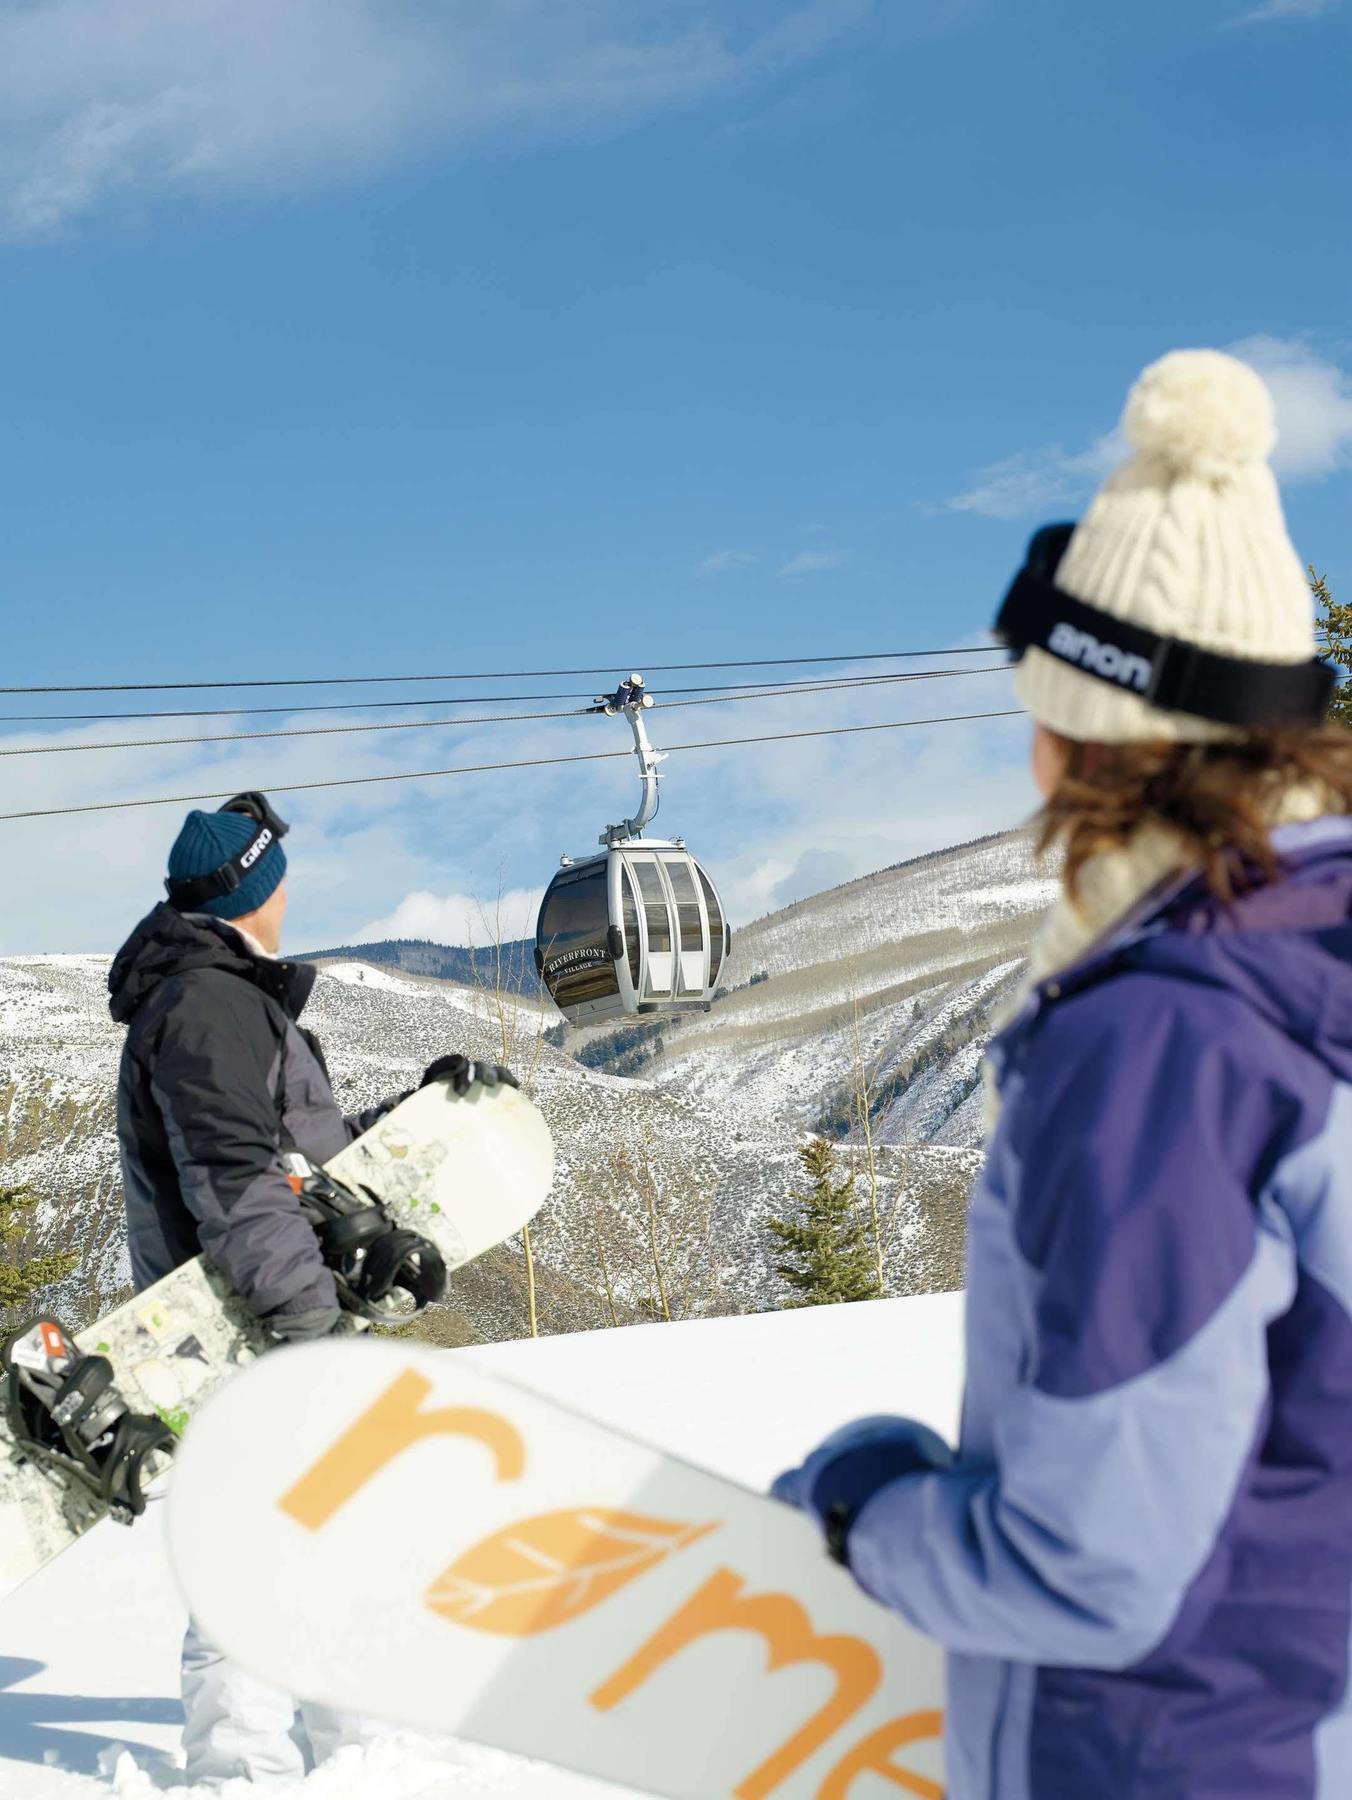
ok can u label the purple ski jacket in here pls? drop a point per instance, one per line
(1141, 1564)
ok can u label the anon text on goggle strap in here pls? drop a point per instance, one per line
(1107, 660)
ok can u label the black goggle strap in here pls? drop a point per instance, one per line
(257, 806)
(1165, 672)
(193, 891)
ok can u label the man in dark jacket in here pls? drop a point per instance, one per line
(217, 1074)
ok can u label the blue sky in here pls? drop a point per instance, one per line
(352, 338)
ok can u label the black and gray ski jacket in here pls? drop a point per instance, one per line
(216, 1074)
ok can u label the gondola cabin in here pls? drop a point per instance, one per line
(637, 929)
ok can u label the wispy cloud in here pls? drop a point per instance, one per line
(153, 95)
(1276, 10)
(724, 562)
(813, 562)
(1036, 480)
(1313, 397)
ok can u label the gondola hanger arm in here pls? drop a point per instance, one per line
(632, 699)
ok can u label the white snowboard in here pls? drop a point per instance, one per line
(396, 1532)
(467, 1171)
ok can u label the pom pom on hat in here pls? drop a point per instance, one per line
(1202, 414)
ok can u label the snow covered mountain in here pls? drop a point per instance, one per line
(666, 1176)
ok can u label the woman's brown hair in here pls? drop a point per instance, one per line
(1219, 799)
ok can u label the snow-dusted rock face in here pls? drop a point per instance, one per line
(665, 1181)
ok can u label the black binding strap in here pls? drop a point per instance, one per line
(141, 1445)
(367, 1252)
(81, 1388)
(191, 892)
(1165, 672)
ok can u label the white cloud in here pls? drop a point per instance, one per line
(457, 918)
(1276, 10)
(842, 807)
(248, 94)
(815, 870)
(1313, 397)
(724, 562)
(813, 562)
(1036, 480)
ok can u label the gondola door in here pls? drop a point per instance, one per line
(692, 932)
(658, 962)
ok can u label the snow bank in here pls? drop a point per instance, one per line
(89, 1648)
(360, 974)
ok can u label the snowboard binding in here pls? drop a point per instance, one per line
(66, 1414)
(383, 1271)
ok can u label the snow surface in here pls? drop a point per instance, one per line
(364, 975)
(89, 1648)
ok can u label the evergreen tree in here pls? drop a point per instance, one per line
(826, 1247)
(1335, 622)
(20, 1279)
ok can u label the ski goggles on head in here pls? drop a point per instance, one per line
(1164, 672)
(257, 806)
(190, 892)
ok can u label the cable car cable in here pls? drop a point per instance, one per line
(530, 762)
(760, 662)
(249, 712)
(237, 737)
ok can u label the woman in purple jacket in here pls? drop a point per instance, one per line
(1140, 1558)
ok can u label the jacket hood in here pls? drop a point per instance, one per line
(168, 943)
(1285, 949)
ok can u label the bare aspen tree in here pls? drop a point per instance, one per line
(651, 1198)
(605, 1271)
(863, 1093)
(659, 1217)
(520, 1027)
(532, 1304)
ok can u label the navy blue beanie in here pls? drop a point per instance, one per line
(209, 839)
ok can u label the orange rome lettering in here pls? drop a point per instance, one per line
(386, 1429)
(720, 1605)
(874, 1757)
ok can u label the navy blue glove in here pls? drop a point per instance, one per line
(851, 1465)
(462, 1073)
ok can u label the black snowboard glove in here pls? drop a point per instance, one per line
(462, 1073)
(306, 1327)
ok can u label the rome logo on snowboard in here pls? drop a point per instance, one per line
(545, 1584)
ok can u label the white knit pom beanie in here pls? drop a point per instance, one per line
(1187, 539)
